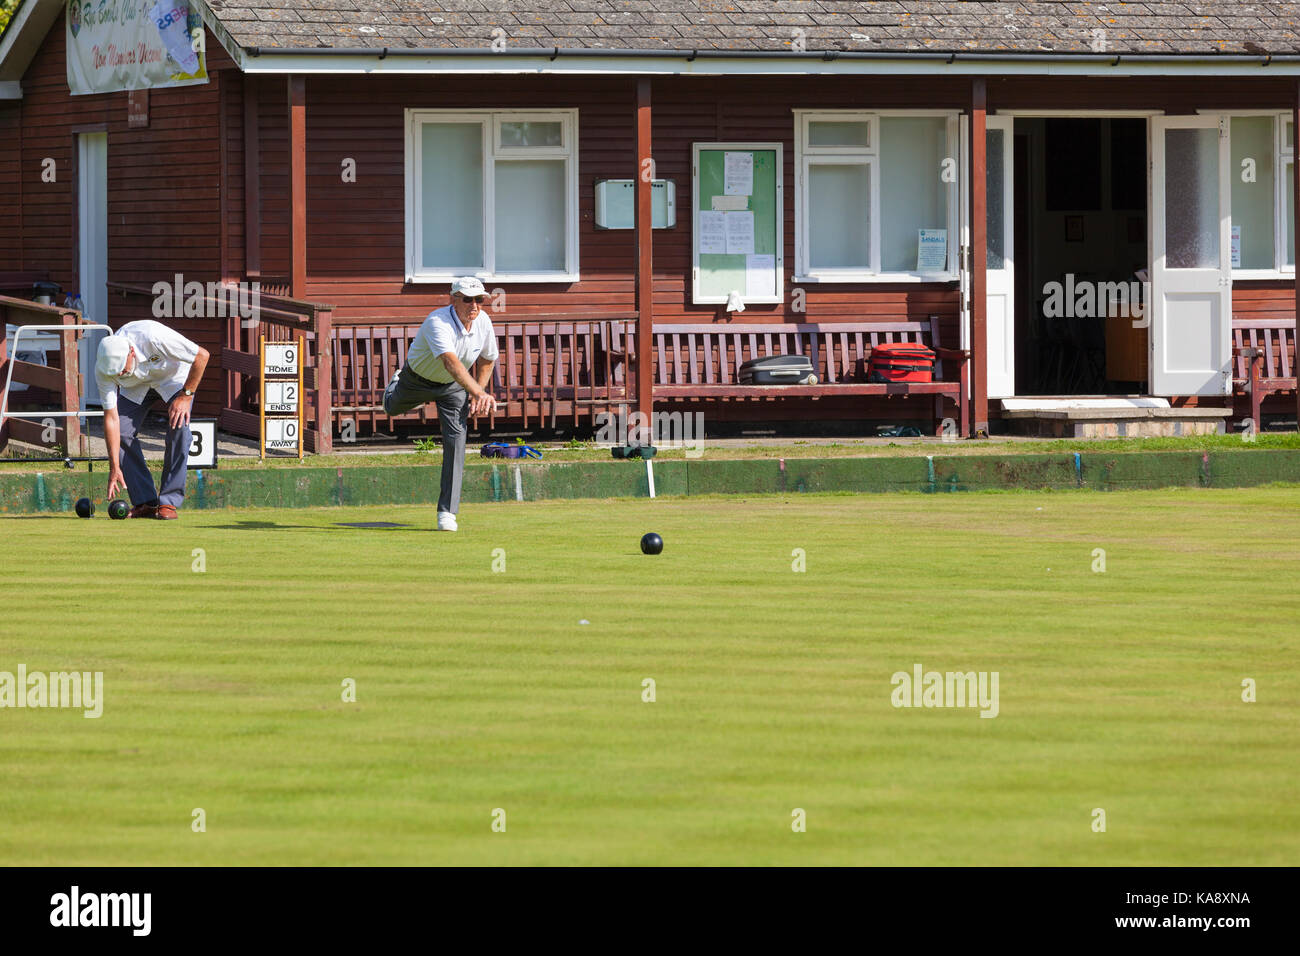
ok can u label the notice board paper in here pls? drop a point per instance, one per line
(760, 277)
(740, 233)
(713, 233)
(738, 174)
(729, 203)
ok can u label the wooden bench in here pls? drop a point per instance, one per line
(1264, 359)
(703, 361)
(547, 369)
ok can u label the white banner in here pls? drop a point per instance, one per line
(133, 45)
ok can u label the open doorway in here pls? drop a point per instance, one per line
(1080, 228)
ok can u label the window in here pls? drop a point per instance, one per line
(492, 194)
(871, 186)
(1263, 208)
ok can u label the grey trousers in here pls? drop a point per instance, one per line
(139, 482)
(408, 391)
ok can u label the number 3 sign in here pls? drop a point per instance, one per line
(203, 443)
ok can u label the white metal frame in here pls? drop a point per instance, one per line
(490, 125)
(9, 378)
(869, 156)
(696, 149)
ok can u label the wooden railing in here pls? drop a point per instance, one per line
(280, 319)
(61, 381)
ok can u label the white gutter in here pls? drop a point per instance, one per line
(401, 60)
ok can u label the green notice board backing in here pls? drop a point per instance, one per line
(737, 227)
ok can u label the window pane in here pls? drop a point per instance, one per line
(995, 174)
(912, 195)
(839, 204)
(1287, 139)
(838, 134)
(530, 201)
(1252, 202)
(451, 195)
(1290, 215)
(1191, 198)
(532, 134)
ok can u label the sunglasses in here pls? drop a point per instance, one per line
(480, 299)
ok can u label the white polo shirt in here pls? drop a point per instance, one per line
(442, 332)
(163, 358)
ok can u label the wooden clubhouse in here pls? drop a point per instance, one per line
(629, 173)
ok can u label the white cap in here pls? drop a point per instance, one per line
(468, 286)
(113, 353)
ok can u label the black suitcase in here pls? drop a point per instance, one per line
(778, 370)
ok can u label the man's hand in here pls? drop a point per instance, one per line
(482, 404)
(116, 482)
(178, 410)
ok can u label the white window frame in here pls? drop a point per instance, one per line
(869, 155)
(490, 125)
(1282, 158)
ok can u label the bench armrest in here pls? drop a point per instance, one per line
(957, 355)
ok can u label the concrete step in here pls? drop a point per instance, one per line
(1139, 417)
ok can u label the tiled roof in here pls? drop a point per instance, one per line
(876, 25)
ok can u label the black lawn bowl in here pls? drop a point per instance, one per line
(651, 543)
(85, 508)
(117, 509)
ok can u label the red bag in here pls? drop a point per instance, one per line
(901, 362)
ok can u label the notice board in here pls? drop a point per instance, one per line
(737, 228)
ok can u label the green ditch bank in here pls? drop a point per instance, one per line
(271, 487)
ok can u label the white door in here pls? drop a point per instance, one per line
(1000, 322)
(92, 219)
(1191, 276)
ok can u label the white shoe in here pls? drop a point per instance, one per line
(446, 521)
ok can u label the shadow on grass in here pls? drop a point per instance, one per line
(252, 525)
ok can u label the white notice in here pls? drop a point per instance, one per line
(738, 174)
(760, 277)
(1236, 247)
(713, 233)
(740, 233)
(728, 203)
(932, 250)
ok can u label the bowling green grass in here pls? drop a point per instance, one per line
(477, 690)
